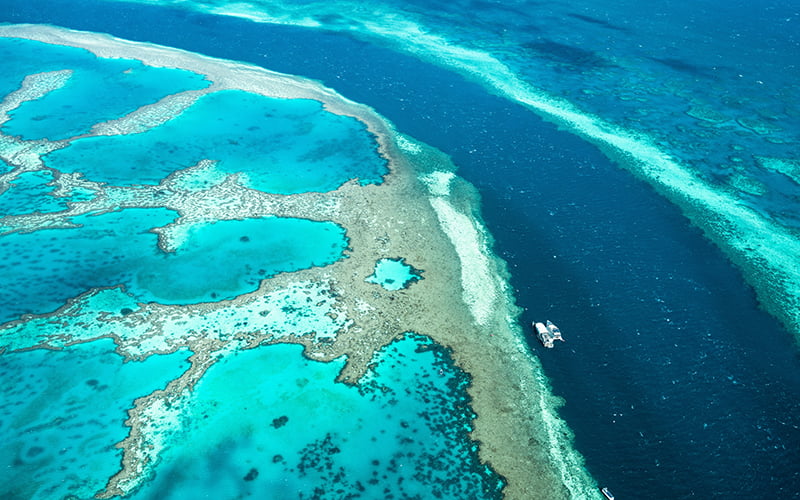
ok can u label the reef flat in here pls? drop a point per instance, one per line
(419, 213)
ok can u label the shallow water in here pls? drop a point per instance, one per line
(291, 430)
(393, 274)
(279, 145)
(30, 193)
(63, 412)
(106, 267)
(97, 90)
(216, 261)
(676, 383)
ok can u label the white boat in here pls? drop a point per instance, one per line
(554, 331)
(547, 333)
(544, 335)
(607, 493)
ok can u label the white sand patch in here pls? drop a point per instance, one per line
(148, 116)
(477, 281)
(247, 10)
(148, 344)
(176, 235)
(302, 308)
(438, 182)
(363, 307)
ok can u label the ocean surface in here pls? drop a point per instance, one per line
(677, 383)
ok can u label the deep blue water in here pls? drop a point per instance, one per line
(677, 385)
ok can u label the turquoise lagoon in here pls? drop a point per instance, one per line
(290, 431)
(31, 192)
(278, 145)
(63, 412)
(216, 261)
(99, 89)
(394, 274)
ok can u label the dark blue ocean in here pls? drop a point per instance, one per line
(676, 384)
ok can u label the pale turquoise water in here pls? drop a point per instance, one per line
(226, 258)
(63, 412)
(393, 274)
(283, 146)
(98, 90)
(45, 268)
(88, 318)
(301, 309)
(290, 431)
(29, 193)
(265, 422)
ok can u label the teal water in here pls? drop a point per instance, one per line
(87, 318)
(226, 258)
(288, 430)
(98, 90)
(29, 193)
(45, 268)
(63, 412)
(679, 403)
(282, 146)
(302, 309)
(265, 422)
(393, 274)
